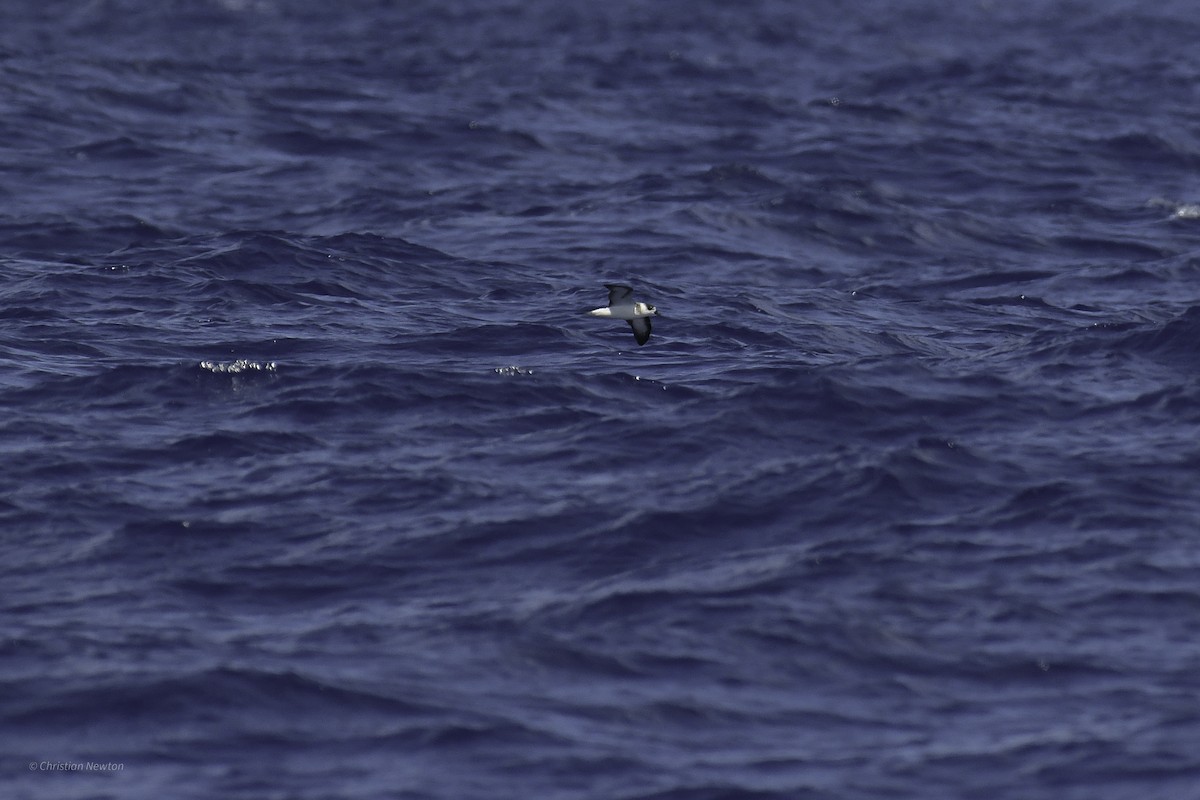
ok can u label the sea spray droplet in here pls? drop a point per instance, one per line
(239, 366)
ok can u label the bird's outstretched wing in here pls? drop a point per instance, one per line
(641, 329)
(617, 293)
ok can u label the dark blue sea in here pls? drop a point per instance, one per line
(317, 481)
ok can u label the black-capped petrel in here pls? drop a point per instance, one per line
(621, 306)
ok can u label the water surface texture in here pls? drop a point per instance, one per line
(318, 483)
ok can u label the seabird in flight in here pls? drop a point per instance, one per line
(621, 306)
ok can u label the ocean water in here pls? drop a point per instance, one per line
(318, 484)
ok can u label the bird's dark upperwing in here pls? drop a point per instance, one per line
(617, 293)
(641, 329)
